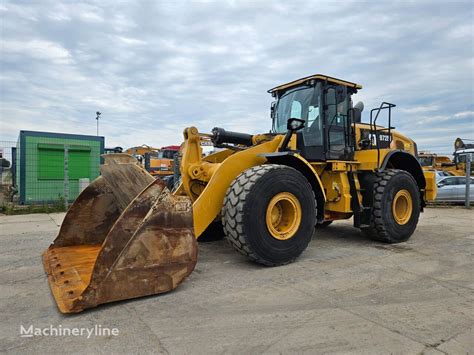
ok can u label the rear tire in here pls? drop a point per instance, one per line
(245, 215)
(396, 207)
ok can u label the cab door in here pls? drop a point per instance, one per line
(310, 140)
(337, 128)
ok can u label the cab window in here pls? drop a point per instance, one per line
(295, 110)
(337, 107)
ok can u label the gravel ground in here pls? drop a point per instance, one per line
(345, 294)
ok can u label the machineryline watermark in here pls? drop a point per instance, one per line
(97, 330)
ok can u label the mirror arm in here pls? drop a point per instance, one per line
(290, 130)
(286, 140)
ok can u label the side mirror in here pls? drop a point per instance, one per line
(292, 125)
(441, 184)
(357, 112)
(295, 124)
(272, 109)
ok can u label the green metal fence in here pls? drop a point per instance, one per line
(44, 168)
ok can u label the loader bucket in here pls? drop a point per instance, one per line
(125, 236)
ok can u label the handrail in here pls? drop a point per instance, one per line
(373, 122)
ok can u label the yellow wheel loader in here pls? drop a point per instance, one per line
(128, 236)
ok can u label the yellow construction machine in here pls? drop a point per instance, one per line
(457, 166)
(157, 161)
(462, 148)
(127, 235)
(432, 161)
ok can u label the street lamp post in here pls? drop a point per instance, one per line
(468, 180)
(97, 119)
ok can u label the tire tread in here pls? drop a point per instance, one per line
(378, 229)
(233, 210)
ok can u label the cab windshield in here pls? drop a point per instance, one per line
(301, 102)
(167, 154)
(426, 161)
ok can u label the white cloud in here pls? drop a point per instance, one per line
(86, 12)
(59, 16)
(464, 114)
(153, 68)
(122, 23)
(131, 41)
(66, 11)
(23, 12)
(463, 30)
(38, 49)
(421, 109)
(452, 118)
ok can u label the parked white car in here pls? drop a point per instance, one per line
(453, 189)
(440, 174)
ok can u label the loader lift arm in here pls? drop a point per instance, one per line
(207, 182)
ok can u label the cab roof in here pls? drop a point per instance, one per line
(315, 77)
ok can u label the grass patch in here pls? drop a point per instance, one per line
(12, 209)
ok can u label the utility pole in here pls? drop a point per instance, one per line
(468, 180)
(66, 176)
(97, 119)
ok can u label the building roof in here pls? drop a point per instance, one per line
(60, 135)
(315, 77)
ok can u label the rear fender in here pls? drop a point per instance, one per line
(398, 159)
(426, 181)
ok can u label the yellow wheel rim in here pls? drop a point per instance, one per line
(402, 207)
(283, 216)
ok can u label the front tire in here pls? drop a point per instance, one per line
(396, 207)
(269, 214)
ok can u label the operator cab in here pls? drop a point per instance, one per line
(461, 149)
(324, 103)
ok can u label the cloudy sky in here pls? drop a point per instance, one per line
(155, 67)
